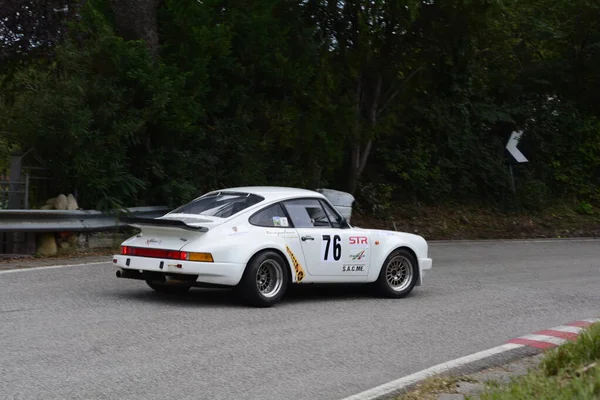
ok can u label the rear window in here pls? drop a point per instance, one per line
(220, 205)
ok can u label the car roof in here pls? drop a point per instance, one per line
(274, 192)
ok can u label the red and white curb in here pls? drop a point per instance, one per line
(556, 336)
(540, 340)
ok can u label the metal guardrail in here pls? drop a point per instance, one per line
(72, 221)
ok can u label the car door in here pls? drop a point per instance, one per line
(329, 249)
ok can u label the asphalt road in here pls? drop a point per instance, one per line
(79, 332)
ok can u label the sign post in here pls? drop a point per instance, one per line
(511, 146)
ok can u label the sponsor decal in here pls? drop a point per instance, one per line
(153, 241)
(283, 234)
(358, 240)
(280, 221)
(358, 256)
(297, 268)
(238, 230)
(353, 267)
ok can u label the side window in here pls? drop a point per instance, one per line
(307, 213)
(272, 216)
(333, 217)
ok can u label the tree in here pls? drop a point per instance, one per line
(136, 20)
(371, 48)
(31, 29)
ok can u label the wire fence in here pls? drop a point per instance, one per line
(14, 194)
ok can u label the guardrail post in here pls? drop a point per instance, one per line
(27, 191)
(14, 197)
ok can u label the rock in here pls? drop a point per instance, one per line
(61, 202)
(51, 201)
(47, 207)
(64, 245)
(470, 388)
(73, 240)
(71, 202)
(46, 244)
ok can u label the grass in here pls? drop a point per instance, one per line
(432, 387)
(568, 372)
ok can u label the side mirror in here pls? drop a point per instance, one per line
(344, 222)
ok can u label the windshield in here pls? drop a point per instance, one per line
(220, 205)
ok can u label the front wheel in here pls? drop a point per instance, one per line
(398, 275)
(170, 289)
(265, 280)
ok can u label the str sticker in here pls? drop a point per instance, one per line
(358, 240)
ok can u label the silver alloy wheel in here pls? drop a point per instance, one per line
(399, 273)
(269, 278)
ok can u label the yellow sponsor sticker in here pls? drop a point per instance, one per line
(297, 268)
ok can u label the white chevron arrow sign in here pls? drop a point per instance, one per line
(512, 144)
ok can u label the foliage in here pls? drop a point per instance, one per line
(570, 371)
(33, 28)
(4, 153)
(409, 100)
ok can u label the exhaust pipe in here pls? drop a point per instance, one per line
(122, 273)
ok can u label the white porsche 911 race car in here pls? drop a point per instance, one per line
(260, 240)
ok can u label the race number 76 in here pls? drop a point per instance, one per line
(332, 251)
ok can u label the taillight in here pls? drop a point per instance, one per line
(206, 257)
(161, 253)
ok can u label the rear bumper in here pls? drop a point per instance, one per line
(228, 274)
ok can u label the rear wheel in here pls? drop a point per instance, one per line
(166, 288)
(398, 275)
(265, 280)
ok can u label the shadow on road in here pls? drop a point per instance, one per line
(328, 292)
(227, 298)
(193, 298)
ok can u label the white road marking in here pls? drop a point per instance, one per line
(592, 320)
(565, 328)
(545, 338)
(10, 271)
(403, 382)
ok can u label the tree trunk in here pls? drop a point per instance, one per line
(353, 176)
(136, 19)
(355, 153)
(369, 104)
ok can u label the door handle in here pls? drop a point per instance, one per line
(305, 238)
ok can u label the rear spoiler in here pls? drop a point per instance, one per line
(140, 222)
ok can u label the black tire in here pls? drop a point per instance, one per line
(399, 263)
(264, 269)
(169, 289)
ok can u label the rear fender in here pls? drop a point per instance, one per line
(297, 273)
